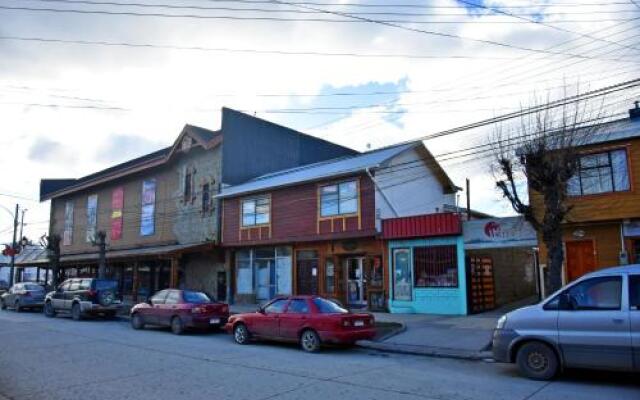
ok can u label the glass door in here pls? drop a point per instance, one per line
(263, 279)
(356, 283)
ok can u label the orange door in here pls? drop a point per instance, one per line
(581, 258)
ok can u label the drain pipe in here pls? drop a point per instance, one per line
(384, 196)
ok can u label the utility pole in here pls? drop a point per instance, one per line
(102, 256)
(22, 224)
(468, 200)
(14, 245)
(53, 245)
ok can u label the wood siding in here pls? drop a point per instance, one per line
(295, 217)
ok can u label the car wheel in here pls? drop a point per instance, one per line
(310, 341)
(2, 305)
(241, 334)
(17, 306)
(76, 313)
(177, 326)
(137, 322)
(49, 310)
(537, 361)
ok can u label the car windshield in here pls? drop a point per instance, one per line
(195, 297)
(33, 287)
(105, 285)
(328, 307)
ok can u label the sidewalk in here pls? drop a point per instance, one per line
(463, 337)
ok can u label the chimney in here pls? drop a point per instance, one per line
(635, 112)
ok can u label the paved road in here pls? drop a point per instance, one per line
(42, 358)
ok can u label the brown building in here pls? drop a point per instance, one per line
(603, 227)
(159, 211)
(315, 229)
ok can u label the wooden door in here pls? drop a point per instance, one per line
(481, 288)
(307, 276)
(581, 258)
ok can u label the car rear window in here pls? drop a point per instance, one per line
(32, 287)
(105, 285)
(325, 306)
(195, 297)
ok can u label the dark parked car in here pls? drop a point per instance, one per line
(22, 296)
(308, 320)
(84, 296)
(180, 309)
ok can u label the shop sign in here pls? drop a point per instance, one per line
(67, 234)
(117, 205)
(498, 232)
(147, 221)
(92, 217)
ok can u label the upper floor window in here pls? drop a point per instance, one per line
(206, 198)
(188, 184)
(339, 199)
(600, 173)
(256, 211)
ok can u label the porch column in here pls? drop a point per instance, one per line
(134, 283)
(173, 275)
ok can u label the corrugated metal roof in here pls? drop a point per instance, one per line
(143, 251)
(428, 225)
(320, 170)
(615, 130)
(31, 255)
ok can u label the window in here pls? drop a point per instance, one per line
(600, 173)
(195, 297)
(159, 297)
(298, 306)
(435, 266)
(339, 199)
(85, 284)
(173, 297)
(188, 184)
(325, 306)
(255, 211)
(329, 276)
(206, 198)
(596, 294)
(634, 292)
(276, 306)
(75, 285)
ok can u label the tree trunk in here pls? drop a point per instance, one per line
(555, 258)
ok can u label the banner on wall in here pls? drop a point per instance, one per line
(498, 233)
(147, 220)
(67, 235)
(92, 217)
(117, 205)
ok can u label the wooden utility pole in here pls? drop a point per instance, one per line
(14, 245)
(468, 200)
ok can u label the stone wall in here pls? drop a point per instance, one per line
(201, 272)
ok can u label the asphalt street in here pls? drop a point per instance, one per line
(59, 358)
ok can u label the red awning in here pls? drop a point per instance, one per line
(440, 224)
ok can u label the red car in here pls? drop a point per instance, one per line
(308, 320)
(179, 309)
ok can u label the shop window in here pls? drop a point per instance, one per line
(256, 211)
(435, 266)
(600, 173)
(244, 272)
(339, 199)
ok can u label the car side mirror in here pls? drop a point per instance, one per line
(260, 310)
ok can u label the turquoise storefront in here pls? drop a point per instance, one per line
(426, 265)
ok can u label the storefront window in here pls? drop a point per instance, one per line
(436, 266)
(402, 282)
(244, 275)
(283, 270)
(265, 271)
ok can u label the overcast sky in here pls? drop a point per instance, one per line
(70, 109)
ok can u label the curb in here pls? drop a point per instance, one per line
(401, 329)
(426, 351)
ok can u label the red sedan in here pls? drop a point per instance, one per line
(179, 309)
(308, 320)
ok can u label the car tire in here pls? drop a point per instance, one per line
(177, 326)
(76, 312)
(49, 311)
(241, 334)
(537, 361)
(310, 341)
(3, 306)
(17, 307)
(137, 322)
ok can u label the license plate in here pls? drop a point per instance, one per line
(358, 323)
(214, 321)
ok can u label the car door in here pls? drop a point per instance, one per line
(267, 323)
(71, 293)
(634, 317)
(593, 324)
(57, 299)
(169, 308)
(294, 318)
(151, 314)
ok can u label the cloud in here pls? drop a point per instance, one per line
(121, 147)
(46, 151)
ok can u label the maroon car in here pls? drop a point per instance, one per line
(308, 320)
(179, 309)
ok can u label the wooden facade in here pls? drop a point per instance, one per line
(593, 233)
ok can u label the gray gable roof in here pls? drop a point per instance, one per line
(620, 129)
(321, 170)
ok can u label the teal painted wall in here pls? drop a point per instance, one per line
(446, 301)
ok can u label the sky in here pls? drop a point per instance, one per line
(363, 74)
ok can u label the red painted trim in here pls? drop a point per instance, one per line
(441, 224)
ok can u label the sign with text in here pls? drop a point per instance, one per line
(92, 217)
(117, 205)
(147, 219)
(498, 232)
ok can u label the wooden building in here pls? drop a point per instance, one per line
(603, 226)
(159, 211)
(315, 229)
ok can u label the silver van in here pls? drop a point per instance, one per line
(594, 322)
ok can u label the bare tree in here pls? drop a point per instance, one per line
(542, 151)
